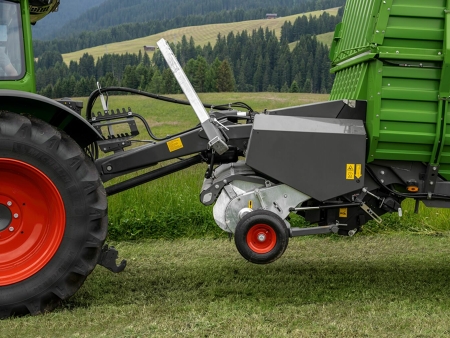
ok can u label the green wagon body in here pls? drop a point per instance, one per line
(396, 55)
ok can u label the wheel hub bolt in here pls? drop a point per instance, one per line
(11, 229)
(9, 203)
(16, 215)
(261, 237)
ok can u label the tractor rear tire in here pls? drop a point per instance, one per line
(261, 237)
(53, 216)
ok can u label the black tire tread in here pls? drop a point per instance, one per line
(30, 130)
(266, 217)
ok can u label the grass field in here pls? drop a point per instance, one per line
(201, 34)
(372, 286)
(326, 39)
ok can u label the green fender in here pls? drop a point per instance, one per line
(52, 112)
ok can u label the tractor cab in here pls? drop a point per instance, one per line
(12, 60)
(16, 50)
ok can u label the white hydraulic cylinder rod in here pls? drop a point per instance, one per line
(215, 137)
(184, 82)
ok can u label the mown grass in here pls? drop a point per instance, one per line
(201, 34)
(373, 286)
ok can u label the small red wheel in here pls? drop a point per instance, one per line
(32, 220)
(261, 237)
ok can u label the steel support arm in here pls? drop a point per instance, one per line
(192, 142)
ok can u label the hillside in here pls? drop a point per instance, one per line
(326, 39)
(117, 12)
(201, 34)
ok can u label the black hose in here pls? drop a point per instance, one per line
(97, 93)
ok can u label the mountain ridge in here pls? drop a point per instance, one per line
(67, 12)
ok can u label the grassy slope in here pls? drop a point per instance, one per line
(201, 34)
(373, 286)
(326, 39)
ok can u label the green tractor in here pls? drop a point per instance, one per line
(53, 207)
(382, 138)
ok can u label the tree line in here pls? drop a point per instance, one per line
(246, 62)
(234, 11)
(324, 23)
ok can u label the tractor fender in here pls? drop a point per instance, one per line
(52, 112)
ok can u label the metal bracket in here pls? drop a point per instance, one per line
(430, 179)
(366, 208)
(209, 194)
(114, 142)
(108, 259)
(371, 213)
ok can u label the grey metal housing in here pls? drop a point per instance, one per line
(312, 155)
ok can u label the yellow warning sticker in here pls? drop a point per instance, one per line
(250, 204)
(350, 172)
(358, 171)
(343, 212)
(175, 144)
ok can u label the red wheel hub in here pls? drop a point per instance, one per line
(261, 238)
(32, 220)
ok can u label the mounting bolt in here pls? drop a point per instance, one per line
(16, 215)
(431, 182)
(11, 229)
(382, 172)
(9, 203)
(109, 168)
(217, 186)
(352, 232)
(434, 168)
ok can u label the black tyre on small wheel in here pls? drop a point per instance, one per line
(53, 216)
(261, 237)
